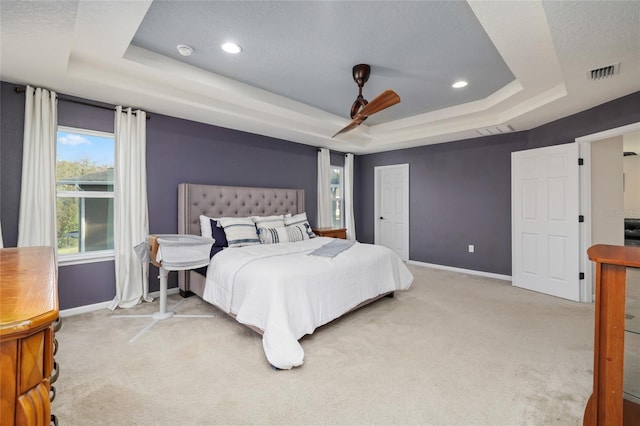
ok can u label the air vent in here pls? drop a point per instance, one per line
(603, 72)
(498, 130)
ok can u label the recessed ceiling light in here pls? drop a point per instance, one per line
(459, 84)
(184, 50)
(231, 48)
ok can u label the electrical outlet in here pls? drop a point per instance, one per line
(471, 248)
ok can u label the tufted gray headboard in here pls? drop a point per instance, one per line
(228, 201)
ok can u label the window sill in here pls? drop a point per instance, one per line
(90, 257)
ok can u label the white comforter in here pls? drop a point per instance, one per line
(288, 293)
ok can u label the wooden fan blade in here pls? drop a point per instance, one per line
(382, 101)
(354, 123)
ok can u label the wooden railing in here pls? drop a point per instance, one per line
(607, 406)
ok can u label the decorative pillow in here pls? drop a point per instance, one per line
(300, 219)
(205, 226)
(283, 234)
(276, 221)
(240, 231)
(215, 250)
(218, 235)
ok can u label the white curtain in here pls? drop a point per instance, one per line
(324, 188)
(131, 219)
(349, 219)
(37, 217)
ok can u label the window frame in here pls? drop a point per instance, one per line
(96, 255)
(341, 197)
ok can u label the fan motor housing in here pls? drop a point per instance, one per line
(361, 74)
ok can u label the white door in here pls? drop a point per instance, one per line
(392, 208)
(544, 215)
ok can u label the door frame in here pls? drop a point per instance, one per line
(584, 151)
(404, 168)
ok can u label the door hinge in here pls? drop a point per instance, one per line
(580, 161)
(581, 218)
(581, 276)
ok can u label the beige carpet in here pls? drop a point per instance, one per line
(453, 350)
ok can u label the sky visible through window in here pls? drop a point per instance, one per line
(76, 147)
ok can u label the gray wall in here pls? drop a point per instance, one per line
(617, 113)
(460, 192)
(177, 151)
(11, 130)
(185, 151)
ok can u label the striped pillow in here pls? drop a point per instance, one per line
(300, 219)
(276, 221)
(240, 231)
(283, 234)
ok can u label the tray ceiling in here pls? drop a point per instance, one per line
(527, 63)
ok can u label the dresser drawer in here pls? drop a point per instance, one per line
(33, 408)
(31, 357)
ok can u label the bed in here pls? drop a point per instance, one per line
(282, 291)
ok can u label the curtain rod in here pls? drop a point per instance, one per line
(344, 154)
(19, 89)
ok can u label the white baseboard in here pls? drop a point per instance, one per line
(84, 309)
(104, 305)
(461, 270)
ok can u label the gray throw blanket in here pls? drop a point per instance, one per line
(333, 248)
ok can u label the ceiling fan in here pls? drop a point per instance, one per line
(361, 109)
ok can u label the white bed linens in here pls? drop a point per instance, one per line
(282, 290)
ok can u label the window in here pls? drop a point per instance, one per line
(84, 191)
(337, 197)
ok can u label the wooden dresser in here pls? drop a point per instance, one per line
(331, 232)
(28, 311)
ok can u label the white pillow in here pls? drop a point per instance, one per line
(300, 219)
(276, 221)
(283, 234)
(205, 226)
(240, 231)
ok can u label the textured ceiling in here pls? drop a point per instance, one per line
(527, 62)
(305, 50)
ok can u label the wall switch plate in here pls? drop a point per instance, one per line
(471, 248)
